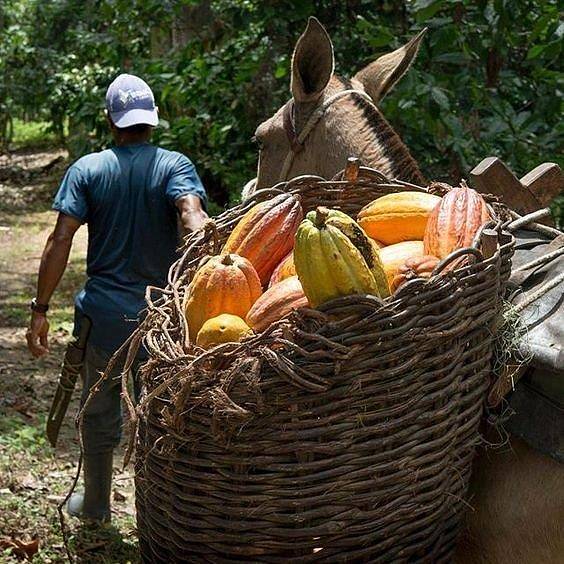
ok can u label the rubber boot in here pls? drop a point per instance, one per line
(94, 503)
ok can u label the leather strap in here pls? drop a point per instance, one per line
(297, 140)
(290, 127)
(38, 308)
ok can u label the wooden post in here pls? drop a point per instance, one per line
(489, 243)
(351, 169)
(505, 383)
(545, 182)
(535, 190)
(492, 176)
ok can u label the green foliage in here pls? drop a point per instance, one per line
(32, 133)
(557, 210)
(487, 81)
(18, 435)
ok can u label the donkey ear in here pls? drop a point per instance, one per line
(379, 77)
(312, 63)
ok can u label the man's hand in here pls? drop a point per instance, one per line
(37, 335)
(193, 220)
(53, 263)
(192, 215)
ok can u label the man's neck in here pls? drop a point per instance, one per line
(132, 140)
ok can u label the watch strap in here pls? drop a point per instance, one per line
(39, 308)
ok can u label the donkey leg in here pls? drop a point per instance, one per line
(518, 516)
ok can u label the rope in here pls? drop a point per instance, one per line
(312, 122)
(545, 288)
(529, 218)
(540, 260)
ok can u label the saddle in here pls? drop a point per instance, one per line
(537, 403)
(535, 390)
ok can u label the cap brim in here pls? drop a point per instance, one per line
(135, 117)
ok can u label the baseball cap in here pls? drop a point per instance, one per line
(130, 101)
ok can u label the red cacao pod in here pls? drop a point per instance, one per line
(265, 234)
(454, 222)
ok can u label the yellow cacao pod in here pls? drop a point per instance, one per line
(329, 264)
(401, 216)
(224, 328)
(369, 248)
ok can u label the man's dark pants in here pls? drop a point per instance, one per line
(102, 423)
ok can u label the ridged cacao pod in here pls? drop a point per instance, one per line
(330, 264)
(224, 328)
(397, 217)
(455, 222)
(265, 234)
(394, 256)
(224, 284)
(414, 267)
(279, 300)
(284, 270)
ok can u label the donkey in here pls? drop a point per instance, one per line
(348, 124)
(518, 494)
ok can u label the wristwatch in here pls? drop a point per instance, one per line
(38, 308)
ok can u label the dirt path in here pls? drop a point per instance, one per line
(33, 477)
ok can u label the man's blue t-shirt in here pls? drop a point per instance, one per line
(127, 197)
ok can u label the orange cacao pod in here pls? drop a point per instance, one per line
(455, 221)
(284, 270)
(394, 256)
(279, 300)
(401, 216)
(224, 284)
(414, 267)
(265, 234)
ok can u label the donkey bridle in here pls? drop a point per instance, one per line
(296, 139)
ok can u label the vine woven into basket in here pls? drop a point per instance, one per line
(343, 434)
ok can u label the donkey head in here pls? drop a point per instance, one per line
(349, 125)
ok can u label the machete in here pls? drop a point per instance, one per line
(70, 369)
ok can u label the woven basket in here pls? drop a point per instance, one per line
(342, 434)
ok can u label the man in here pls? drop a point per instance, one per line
(131, 197)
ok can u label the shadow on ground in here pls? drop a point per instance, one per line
(90, 544)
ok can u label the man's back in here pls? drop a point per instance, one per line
(130, 197)
(127, 196)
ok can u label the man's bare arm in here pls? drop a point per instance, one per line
(53, 263)
(191, 212)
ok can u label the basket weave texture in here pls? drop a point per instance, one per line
(342, 434)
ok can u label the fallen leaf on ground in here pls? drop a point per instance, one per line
(23, 407)
(21, 549)
(31, 482)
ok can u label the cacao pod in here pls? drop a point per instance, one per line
(224, 328)
(401, 216)
(329, 264)
(224, 284)
(284, 270)
(369, 248)
(414, 267)
(455, 222)
(279, 300)
(394, 256)
(265, 234)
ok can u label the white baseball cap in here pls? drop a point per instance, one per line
(130, 101)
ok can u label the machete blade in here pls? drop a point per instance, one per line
(70, 370)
